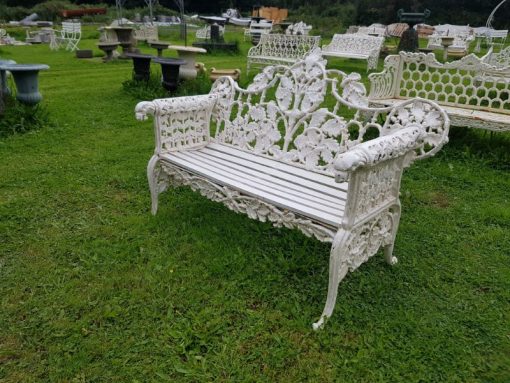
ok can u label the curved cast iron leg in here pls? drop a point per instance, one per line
(337, 271)
(388, 250)
(152, 177)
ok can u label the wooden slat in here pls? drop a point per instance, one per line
(254, 187)
(254, 179)
(248, 187)
(317, 178)
(295, 183)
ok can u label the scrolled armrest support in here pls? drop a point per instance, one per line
(180, 122)
(375, 151)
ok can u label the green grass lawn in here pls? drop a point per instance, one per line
(95, 289)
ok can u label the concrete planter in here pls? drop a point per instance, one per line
(170, 71)
(141, 66)
(26, 77)
(3, 76)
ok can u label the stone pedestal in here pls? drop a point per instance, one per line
(187, 71)
(409, 41)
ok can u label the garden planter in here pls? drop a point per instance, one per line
(159, 46)
(3, 76)
(108, 48)
(141, 66)
(26, 80)
(125, 35)
(170, 71)
(84, 54)
(217, 73)
(188, 70)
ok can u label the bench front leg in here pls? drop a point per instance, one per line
(337, 271)
(372, 214)
(180, 123)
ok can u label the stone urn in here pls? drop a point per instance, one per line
(159, 46)
(3, 76)
(126, 39)
(26, 78)
(108, 47)
(446, 41)
(170, 71)
(141, 66)
(188, 54)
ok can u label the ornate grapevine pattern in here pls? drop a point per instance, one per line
(181, 122)
(366, 239)
(295, 125)
(252, 207)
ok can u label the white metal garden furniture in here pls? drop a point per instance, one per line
(355, 46)
(281, 49)
(283, 152)
(474, 93)
(68, 37)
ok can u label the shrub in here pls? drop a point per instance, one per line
(149, 90)
(50, 10)
(16, 117)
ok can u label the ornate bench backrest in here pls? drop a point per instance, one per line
(287, 46)
(355, 43)
(465, 82)
(500, 59)
(306, 115)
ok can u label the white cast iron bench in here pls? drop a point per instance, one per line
(69, 36)
(281, 49)
(473, 93)
(263, 27)
(205, 32)
(500, 59)
(355, 46)
(289, 159)
(299, 28)
(146, 32)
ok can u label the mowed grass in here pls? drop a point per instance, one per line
(95, 289)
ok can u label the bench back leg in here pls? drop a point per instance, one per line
(388, 249)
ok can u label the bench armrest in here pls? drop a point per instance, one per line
(255, 50)
(367, 154)
(383, 84)
(180, 123)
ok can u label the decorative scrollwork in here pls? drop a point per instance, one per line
(366, 239)
(277, 48)
(252, 207)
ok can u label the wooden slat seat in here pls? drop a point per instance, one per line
(301, 191)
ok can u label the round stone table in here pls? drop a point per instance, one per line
(187, 71)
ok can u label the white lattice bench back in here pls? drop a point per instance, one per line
(474, 93)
